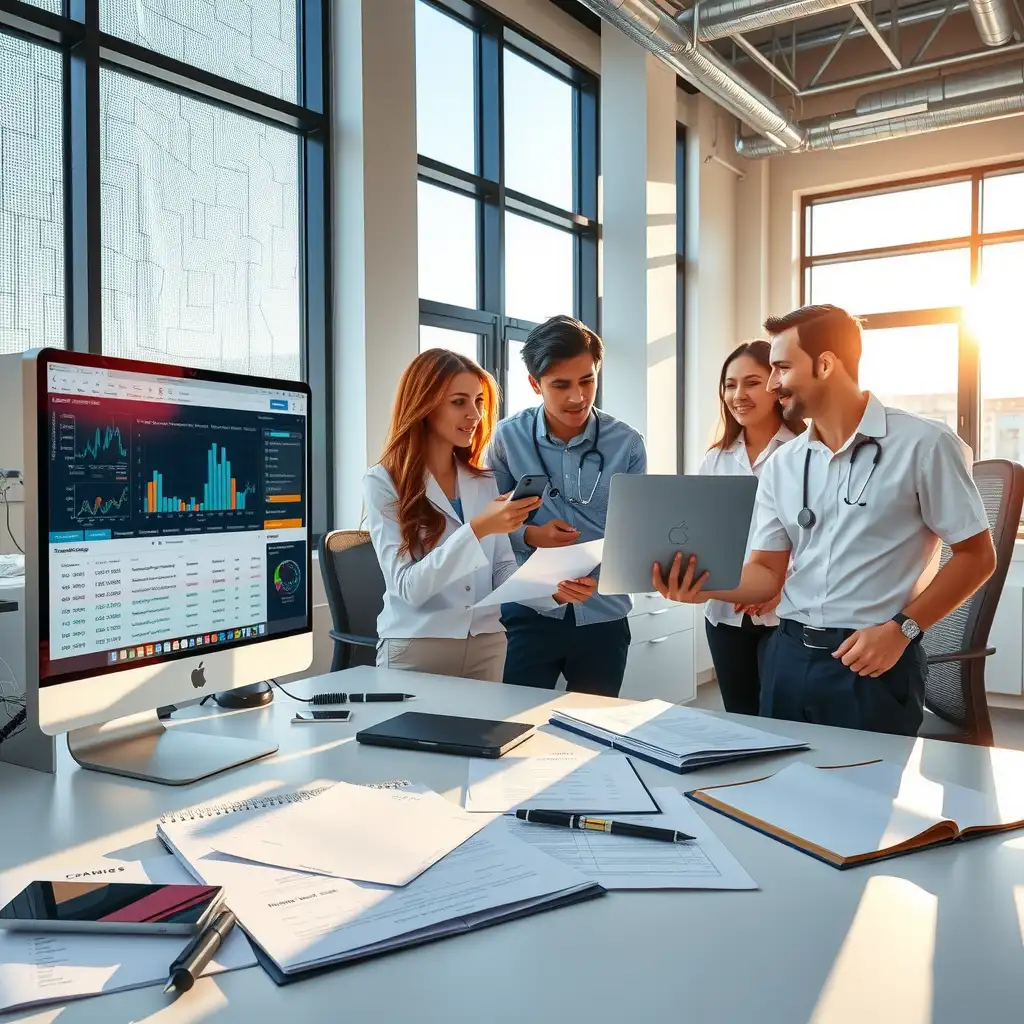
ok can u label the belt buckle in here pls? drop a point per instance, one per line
(815, 629)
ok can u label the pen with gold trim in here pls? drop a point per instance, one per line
(565, 819)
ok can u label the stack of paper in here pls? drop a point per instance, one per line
(584, 781)
(303, 922)
(674, 737)
(48, 967)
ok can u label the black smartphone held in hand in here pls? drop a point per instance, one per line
(323, 716)
(532, 486)
(88, 905)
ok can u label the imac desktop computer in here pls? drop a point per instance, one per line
(167, 553)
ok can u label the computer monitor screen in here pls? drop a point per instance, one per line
(173, 514)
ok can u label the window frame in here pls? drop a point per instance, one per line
(969, 398)
(492, 34)
(85, 49)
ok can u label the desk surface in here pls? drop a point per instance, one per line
(933, 937)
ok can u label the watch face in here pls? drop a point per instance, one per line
(911, 630)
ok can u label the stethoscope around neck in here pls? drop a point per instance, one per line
(592, 450)
(806, 517)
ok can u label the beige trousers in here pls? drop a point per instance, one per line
(477, 657)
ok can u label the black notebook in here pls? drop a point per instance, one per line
(447, 734)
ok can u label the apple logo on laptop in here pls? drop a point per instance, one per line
(199, 676)
(679, 535)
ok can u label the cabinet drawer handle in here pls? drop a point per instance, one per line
(660, 611)
(660, 640)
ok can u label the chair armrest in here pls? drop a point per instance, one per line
(353, 639)
(975, 655)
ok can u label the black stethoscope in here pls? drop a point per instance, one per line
(806, 518)
(592, 450)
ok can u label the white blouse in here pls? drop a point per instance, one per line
(733, 461)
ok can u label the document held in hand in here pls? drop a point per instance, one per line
(855, 814)
(541, 573)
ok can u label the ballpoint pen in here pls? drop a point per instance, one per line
(369, 698)
(565, 819)
(192, 960)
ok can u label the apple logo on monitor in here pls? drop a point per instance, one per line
(199, 676)
(679, 535)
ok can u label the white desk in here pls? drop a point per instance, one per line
(936, 936)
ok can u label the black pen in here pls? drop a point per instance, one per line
(192, 961)
(616, 828)
(369, 698)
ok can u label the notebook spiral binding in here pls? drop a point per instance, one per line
(260, 803)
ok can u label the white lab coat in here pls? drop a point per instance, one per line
(434, 596)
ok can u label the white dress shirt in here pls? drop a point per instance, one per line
(433, 596)
(859, 566)
(734, 461)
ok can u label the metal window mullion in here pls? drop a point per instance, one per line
(82, 184)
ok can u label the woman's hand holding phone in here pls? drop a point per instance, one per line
(502, 516)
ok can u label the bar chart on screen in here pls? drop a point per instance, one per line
(221, 491)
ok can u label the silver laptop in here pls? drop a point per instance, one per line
(650, 518)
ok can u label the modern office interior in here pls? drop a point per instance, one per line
(316, 191)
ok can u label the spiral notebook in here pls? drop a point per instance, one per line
(300, 923)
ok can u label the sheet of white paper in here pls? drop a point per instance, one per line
(384, 836)
(302, 919)
(621, 862)
(541, 573)
(39, 967)
(681, 732)
(827, 810)
(574, 780)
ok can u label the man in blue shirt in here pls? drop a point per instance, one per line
(579, 448)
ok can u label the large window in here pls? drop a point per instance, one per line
(163, 186)
(507, 139)
(934, 267)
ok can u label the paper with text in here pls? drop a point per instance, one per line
(385, 836)
(622, 862)
(574, 780)
(46, 967)
(544, 570)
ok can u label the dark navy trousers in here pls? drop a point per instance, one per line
(540, 649)
(806, 684)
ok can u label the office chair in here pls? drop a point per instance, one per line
(355, 595)
(956, 647)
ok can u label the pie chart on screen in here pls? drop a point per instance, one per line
(287, 577)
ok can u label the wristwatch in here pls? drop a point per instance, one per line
(908, 627)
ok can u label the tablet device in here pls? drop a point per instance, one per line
(650, 518)
(447, 734)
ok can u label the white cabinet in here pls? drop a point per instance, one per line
(1004, 670)
(661, 653)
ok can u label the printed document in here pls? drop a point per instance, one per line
(47, 967)
(541, 573)
(623, 862)
(575, 780)
(386, 836)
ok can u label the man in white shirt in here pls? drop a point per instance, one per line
(859, 504)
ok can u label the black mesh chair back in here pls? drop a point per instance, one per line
(355, 595)
(957, 646)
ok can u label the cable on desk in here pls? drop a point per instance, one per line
(317, 698)
(12, 726)
(5, 486)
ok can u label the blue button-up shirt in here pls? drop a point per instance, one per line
(512, 455)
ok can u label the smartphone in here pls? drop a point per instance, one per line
(140, 909)
(530, 487)
(323, 716)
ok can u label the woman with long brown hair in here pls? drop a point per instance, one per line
(750, 431)
(438, 525)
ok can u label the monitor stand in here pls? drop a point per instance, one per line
(143, 747)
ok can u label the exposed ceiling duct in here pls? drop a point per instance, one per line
(994, 21)
(719, 19)
(647, 24)
(895, 113)
(948, 102)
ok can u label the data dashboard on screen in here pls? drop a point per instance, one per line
(174, 516)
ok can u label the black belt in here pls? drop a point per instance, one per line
(816, 637)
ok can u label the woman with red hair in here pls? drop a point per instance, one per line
(438, 525)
